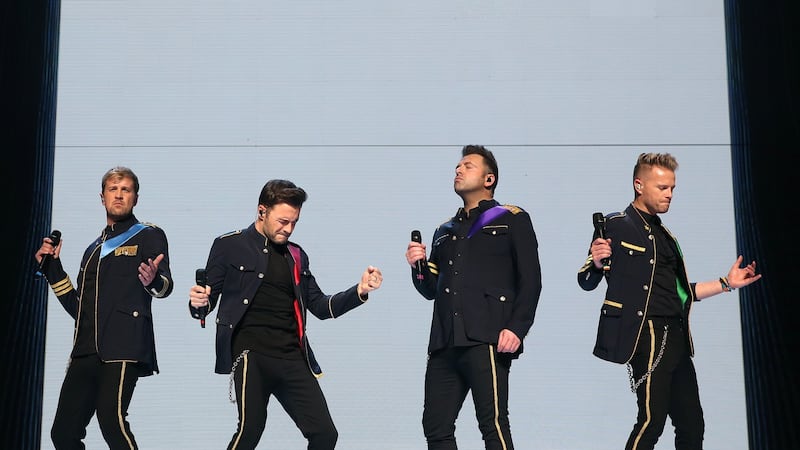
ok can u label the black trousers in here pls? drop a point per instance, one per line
(92, 386)
(258, 377)
(670, 390)
(452, 373)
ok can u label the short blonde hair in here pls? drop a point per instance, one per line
(649, 160)
(118, 173)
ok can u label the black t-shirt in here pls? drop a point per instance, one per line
(664, 299)
(269, 326)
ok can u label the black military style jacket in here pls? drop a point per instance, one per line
(483, 275)
(632, 268)
(121, 305)
(237, 264)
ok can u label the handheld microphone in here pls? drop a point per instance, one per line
(55, 238)
(599, 221)
(416, 236)
(201, 279)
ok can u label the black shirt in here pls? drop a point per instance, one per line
(269, 326)
(664, 299)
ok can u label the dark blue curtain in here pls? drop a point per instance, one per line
(763, 70)
(28, 70)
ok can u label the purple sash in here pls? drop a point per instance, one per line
(486, 217)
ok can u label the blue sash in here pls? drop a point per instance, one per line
(111, 244)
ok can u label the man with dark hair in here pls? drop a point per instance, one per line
(114, 344)
(644, 319)
(484, 277)
(262, 287)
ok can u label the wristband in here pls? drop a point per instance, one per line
(726, 287)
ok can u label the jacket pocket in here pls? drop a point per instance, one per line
(499, 305)
(633, 249)
(609, 327)
(127, 334)
(611, 308)
(238, 276)
(495, 230)
(223, 320)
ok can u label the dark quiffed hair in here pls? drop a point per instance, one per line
(488, 159)
(281, 191)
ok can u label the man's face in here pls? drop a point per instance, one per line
(470, 175)
(658, 185)
(119, 198)
(279, 222)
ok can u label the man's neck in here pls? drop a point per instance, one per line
(113, 220)
(642, 207)
(472, 201)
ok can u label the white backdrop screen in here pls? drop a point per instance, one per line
(366, 106)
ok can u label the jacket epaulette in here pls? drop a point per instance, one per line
(230, 233)
(513, 209)
(149, 224)
(616, 215)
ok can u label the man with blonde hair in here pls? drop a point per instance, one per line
(114, 344)
(644, 318)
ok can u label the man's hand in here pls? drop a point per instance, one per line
(601, 249)
(198, 296)
(48, 249)
(371, 279)
(149, 269)
(414, 253)
(742, 276)
(508, 342)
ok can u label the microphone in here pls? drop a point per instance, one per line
(201, 279)
(599, 221)
(416, 236)
(55, 238)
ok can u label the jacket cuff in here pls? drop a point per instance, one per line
(159, 287)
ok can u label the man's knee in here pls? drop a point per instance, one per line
(66, 437)
(324, 439)
(116, 431)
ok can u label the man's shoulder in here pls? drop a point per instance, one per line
(512, 214)
(230, 237)
(446, 222)
(444, 226)
(231, 241)
(513, 209)
(620, 222)
(616, 216)
(230, 234)
(149, 227)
